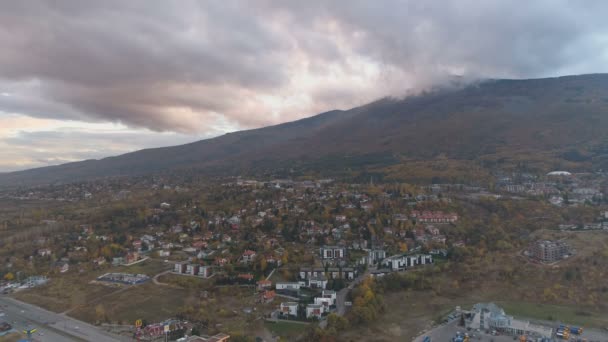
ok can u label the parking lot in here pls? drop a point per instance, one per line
(445, 333)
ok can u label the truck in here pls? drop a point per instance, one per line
(576, 330)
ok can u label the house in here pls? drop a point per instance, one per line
(273, 261)
(191, 269)
(245, 276)
(248, 256)
(325, 302)
(329, 294)
(289, 286)
(44, 252)
(204, 271)
(164, 253)
(180, 267)
(332, 252)
(373, 257)
(99, 261)
(198, 245)
(131, 257)
(267, 296)
(137, 245)
(318, 282)
(307, 272)
(432, 230)
(62, 266)
(314, 310)
(221, 261)
(264, 284)
(118, 261)
(289, 309)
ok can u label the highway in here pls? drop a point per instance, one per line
(51, 327)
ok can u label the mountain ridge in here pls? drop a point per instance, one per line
(487, 121)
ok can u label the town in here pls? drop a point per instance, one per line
(293, 254)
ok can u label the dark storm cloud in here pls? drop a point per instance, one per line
(184, 65)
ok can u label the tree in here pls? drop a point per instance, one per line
(9, 276)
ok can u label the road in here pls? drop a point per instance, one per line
(342, 294)
(53, 326)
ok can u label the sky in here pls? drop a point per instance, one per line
(83, 79)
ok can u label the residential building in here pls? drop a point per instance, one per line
(401, 262)
(290, 286)
(331, 295)
(325, 302)
(267, 296)
(549, 251)
(248, 256)
(314, 310)
(434, 216)
(289, 309)
(264, 284)
(332, 252)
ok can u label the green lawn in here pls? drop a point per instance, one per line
(566, 314)
(285, 329)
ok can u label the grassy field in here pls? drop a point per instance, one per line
(566, 314)
(148, 301)
(72, 290)
(149, 267)
(285, 329)
(64, 292)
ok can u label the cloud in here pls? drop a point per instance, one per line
(51, 145)
(192, 66)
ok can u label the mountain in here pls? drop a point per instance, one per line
(540, 123)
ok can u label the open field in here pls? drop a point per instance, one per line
(64, 292)
(407, 314)
(567, 314)
(285, 329)
(72, 290)
(148, 301)
(150, 267)
(12, 337)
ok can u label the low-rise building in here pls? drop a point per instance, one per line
(314, 310)
(402, 262)
(489, 316)
(289, 286)
(289, 309)
(332, 252)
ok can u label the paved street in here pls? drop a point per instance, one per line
(52, 327)
(341, 295)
